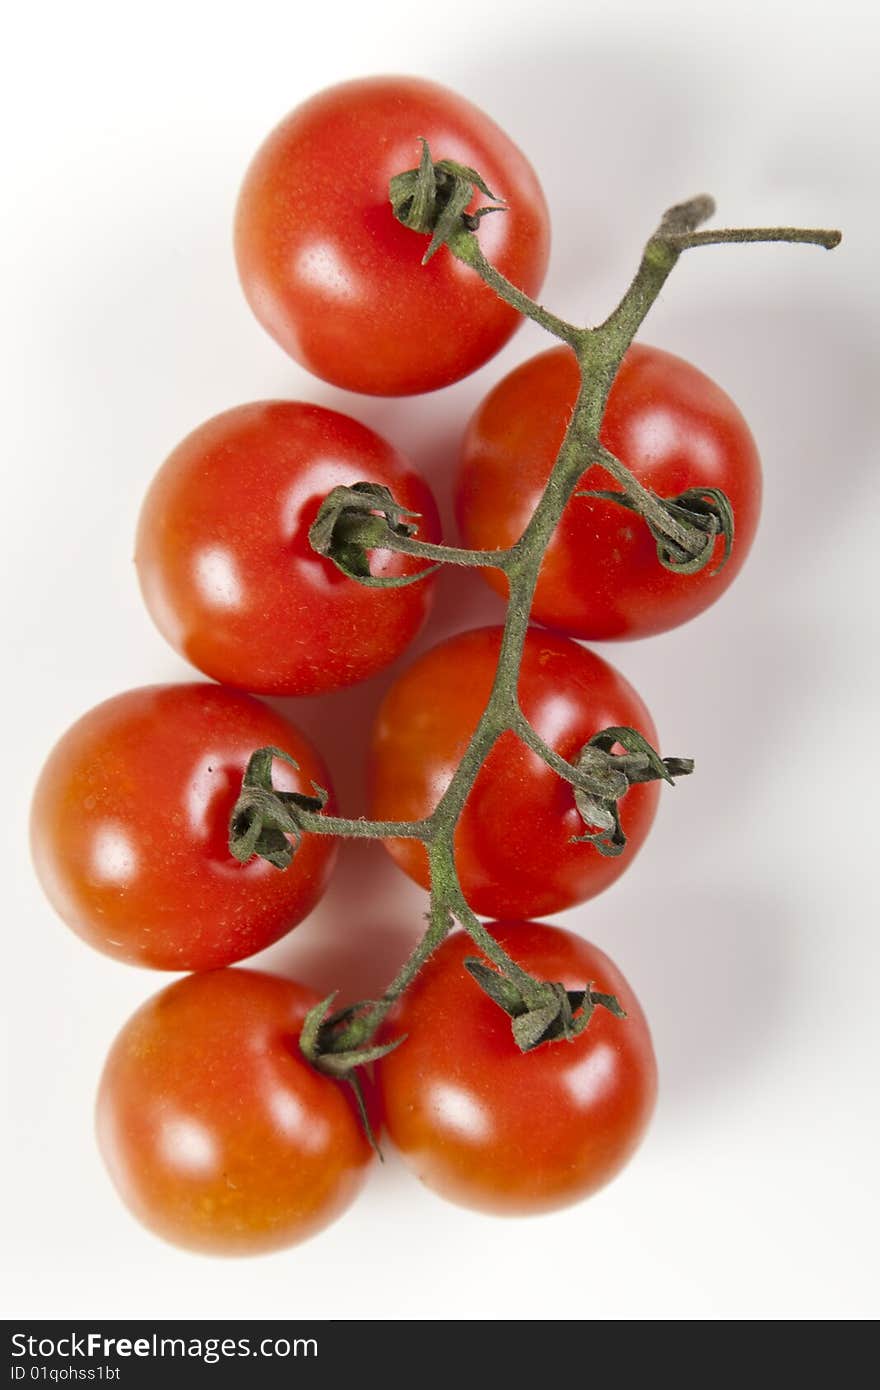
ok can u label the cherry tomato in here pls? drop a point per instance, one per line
(225, 563)
(129, 828)
(671, 426)
(514, 850)
(332, 275)
(491, 1127)
(216, 1131)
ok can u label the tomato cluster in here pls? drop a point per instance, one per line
(217, 1129)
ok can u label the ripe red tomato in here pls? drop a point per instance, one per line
(338, 281)
(671, 426)
(225, 563)
(216, 1131)
(129, 828)
(491, 1127)
(514, 849)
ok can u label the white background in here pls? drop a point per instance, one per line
(750, 924)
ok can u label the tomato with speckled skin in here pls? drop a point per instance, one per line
(225, 564)
(672, 427)
(514, 841)
(129, 828)
(490, 1127)
(216, 1131)
(338, 281)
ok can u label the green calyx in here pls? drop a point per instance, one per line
(605, 777)
(554, 1014)
(324, 1041)
(324, 1044)
(265, 821)
(433, 199)
(354, 520)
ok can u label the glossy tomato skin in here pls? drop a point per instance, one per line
(217, 1133)
(226, 567)
(514, 1133)
(333, 276)
(129, 828)
(514, 849)
(672, 427)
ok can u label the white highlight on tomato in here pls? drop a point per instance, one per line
(188, 1145)
(321, 266)
(587, 1081)
(458, 1111)
(114, 857)
(217, 579)
(289, 1116)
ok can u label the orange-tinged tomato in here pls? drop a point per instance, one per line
(217, 1132)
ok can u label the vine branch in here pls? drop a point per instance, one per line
(432, 201)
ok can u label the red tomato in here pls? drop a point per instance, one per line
(338, 281)
(225, 563)
(514, 849)
(671, 426)
(215, 1129)
(129, 828)
(491, 1127)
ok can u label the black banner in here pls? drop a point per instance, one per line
(98, 1353)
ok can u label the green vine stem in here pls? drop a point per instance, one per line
(432, 201)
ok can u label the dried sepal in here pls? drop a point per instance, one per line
(604, 778)
(433, 199)
(352, 521)
(554, 1013)
(265, 821)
